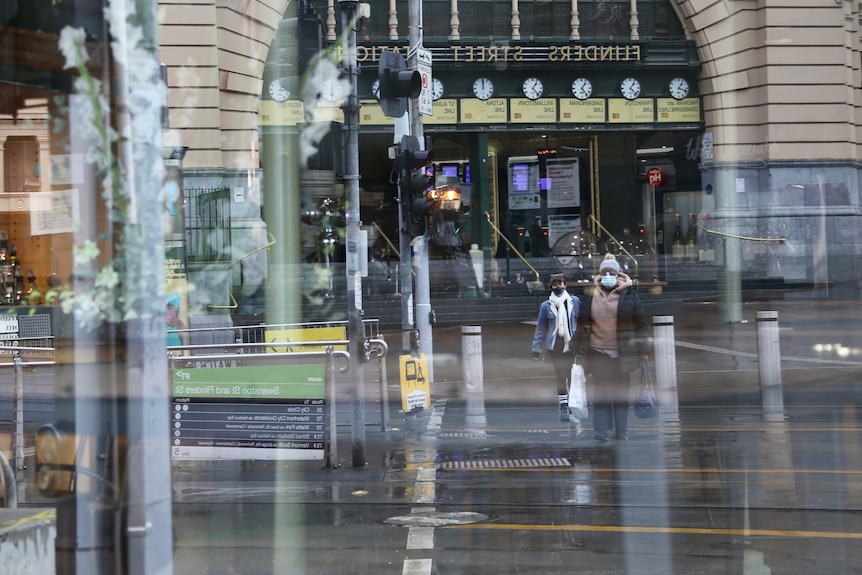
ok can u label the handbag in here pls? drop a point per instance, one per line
(578, 391)
(646, 402)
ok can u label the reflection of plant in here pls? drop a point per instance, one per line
(104, 289)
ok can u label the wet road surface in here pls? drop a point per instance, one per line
(712, 489)
(717, 487)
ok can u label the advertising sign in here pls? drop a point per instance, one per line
(337, 333)
(564, 185)
(259, 412)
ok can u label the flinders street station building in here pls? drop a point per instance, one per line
(723, 136)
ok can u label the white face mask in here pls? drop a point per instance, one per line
(609, 281)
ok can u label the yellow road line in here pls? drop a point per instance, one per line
(670, 530)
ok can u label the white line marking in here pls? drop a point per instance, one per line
(416, 567)
(420, 538)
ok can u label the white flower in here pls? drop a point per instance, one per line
(72, 46)
(107, 278)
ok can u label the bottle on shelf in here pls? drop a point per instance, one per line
(677, 247)
(34, 297)
(691, 255)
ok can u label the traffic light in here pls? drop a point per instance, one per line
(416, 178)
(56, 455)
(397, 83)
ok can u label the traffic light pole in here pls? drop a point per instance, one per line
(355, 332)
(420, 244)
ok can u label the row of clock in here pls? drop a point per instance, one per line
(582, 88)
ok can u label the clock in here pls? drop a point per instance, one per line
(532, 88)
(678, 88)
(630, 88)
(483, 88)
(277, 91)
(332, 90)
(375, 89)
(437, 89)
(582, 88)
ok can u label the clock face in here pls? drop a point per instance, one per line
(630, 88)
(437, 89)
(533, 88)
(332, 91)
(277, 91)
(678, 88)
(483, 88)
(582, 88)
(375, 89)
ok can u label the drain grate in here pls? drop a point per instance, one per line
(461, 434)
(506, 463)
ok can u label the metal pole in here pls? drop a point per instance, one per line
(474, 386)
(19, 413)
(665, 363)
(331, 455)
(420, 244)
(354, 274)
(384, 392)
(769, 362)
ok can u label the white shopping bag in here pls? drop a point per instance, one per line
(578, 391)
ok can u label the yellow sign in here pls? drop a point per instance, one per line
(338, 333)
(621, 111)
(445, 112)
(670, 110)
(328, 112)
(371, 114)
(288, 113)
(541, 111)
(591, 111)
(493, 111)
(415, 388)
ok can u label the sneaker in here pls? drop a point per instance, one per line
(564, 413)
(601, 438)
(622, 437)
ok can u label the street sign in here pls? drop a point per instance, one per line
(426, 96)
(272, 412)
(415, 388)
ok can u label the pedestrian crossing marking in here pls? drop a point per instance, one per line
(506, 463)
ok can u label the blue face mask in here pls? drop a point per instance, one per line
(609, 281)
(558, 291)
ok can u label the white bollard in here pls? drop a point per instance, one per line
(665, 363)
(769, 363)
(478, 259)
(471, 358)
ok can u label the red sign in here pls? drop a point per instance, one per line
(655, 177)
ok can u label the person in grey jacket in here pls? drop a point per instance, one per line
(555, 329)
(615, 339)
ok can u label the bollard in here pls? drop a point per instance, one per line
(478, 259)
(769, 363)
(471, 357)
(665, 363)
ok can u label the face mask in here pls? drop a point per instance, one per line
(609, 281)
(558, 291)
